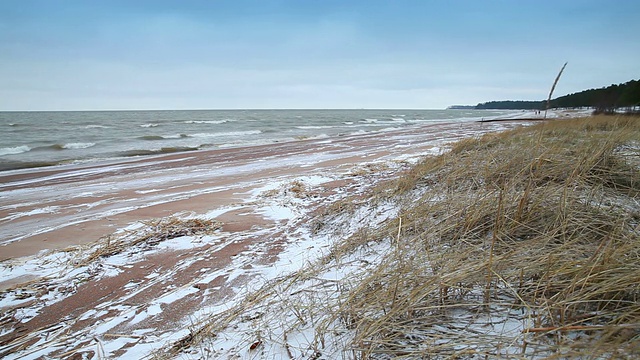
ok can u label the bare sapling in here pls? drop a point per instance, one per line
(553, 87)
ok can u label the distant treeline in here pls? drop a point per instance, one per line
(509, 104)
(605, 99)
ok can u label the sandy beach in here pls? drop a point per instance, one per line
(135, 301)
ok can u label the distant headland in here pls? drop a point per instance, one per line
(605, 100)
(461, 107)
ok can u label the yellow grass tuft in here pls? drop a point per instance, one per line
(151, 233)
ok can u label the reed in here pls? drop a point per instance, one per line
(553, 87)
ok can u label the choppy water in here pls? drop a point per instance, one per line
(29, 139)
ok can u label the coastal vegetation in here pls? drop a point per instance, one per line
(521, 244)
(603, 100)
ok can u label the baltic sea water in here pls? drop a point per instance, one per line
(30, 139)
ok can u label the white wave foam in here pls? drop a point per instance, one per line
(312, 127)
(96, 127)
(71, 146)
(206, 121)
(14, 150)
(230, 133)
(176, 136)
(149, 125)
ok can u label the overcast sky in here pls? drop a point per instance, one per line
(101, 55)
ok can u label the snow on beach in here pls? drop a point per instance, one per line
(116, 321)
(259, 208)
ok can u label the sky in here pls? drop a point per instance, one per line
(322, 54)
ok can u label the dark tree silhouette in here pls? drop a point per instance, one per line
(603, 100)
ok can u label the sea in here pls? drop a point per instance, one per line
(34, 139)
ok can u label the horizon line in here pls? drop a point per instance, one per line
(227, 109)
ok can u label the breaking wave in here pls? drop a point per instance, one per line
(315, 127)
(206, 121)
(69, 146)
(79, 145)
(164, 150)
(230, 133)
(166, 137)
(14, 150)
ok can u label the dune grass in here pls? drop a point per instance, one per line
(539, 225)
(522, 244)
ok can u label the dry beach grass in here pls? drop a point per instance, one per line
(541, 223)
(521, 244)
(151, 233)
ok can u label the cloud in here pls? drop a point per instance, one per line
(116, 55)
